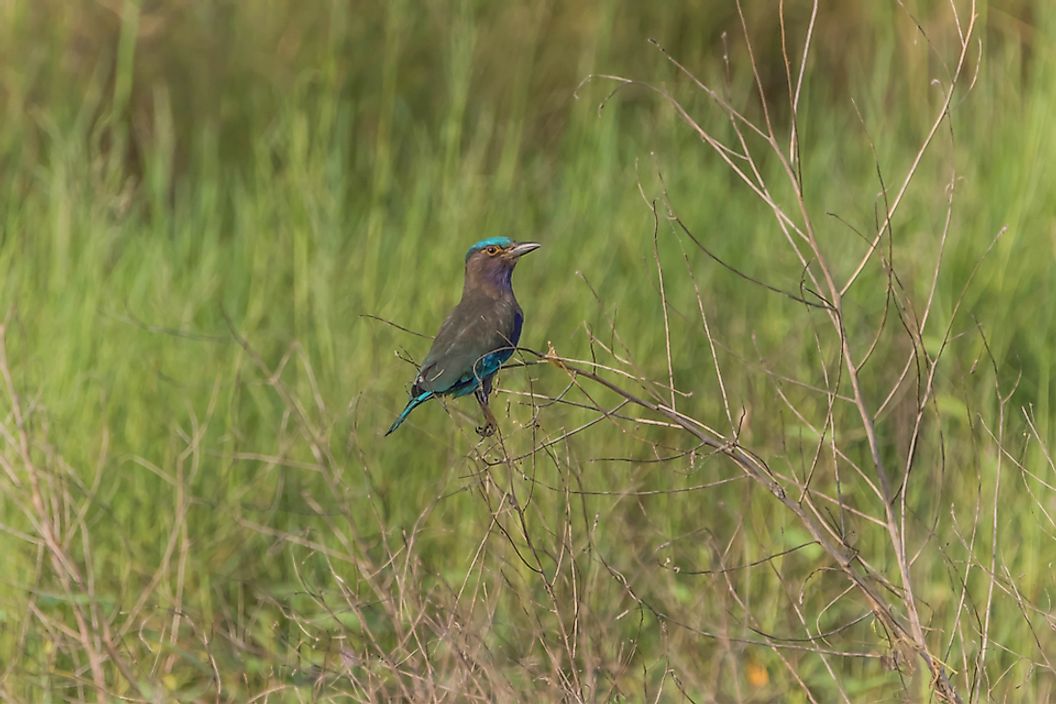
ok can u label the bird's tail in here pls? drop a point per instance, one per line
(411, 405)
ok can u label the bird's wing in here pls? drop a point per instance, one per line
(473, 342)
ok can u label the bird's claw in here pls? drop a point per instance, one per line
(486, 430)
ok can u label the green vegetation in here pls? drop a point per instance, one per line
(206, 208)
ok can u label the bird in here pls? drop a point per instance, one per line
(478, 336)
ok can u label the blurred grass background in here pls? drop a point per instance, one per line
(296, 166)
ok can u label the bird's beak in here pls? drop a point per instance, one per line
(521, 248)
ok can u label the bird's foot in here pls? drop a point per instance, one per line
(486, 430)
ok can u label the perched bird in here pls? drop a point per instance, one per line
(479, 335)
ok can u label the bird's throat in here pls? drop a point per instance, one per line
(493, 281)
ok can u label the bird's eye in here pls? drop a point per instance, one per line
(492, 250)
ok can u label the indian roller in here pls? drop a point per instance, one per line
(479, 335)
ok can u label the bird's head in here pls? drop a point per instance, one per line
(490, 262)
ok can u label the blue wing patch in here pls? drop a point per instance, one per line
(486, 367)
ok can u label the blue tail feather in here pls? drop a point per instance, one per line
(411, 405)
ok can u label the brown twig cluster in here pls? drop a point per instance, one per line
(895, 605)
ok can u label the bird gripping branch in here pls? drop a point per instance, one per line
(479, 335)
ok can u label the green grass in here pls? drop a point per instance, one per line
(184, 173)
